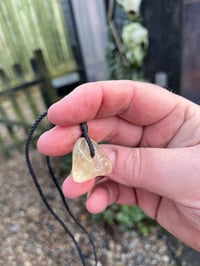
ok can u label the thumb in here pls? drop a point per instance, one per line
(172, 173)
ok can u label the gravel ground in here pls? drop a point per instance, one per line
(30, 236)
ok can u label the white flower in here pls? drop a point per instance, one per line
(135, 39)
(130, 6)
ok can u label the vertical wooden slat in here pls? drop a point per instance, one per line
(17, 68)
(48, 92)
(163, 19)
(10, 130)
(31, 102)
(3, 151)
(16, 106)
(12, 97)
(4, 77)
(190, 55)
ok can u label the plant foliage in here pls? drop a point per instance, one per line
(126, 218)
(126, 52)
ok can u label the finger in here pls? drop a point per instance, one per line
(137, 102)
(172, 173)
(101, 194)
(107, 192)
(72, 189)
(60, 140)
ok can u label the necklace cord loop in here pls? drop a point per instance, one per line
(54, 179)
(84, 129)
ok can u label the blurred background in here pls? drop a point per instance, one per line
(47, 48)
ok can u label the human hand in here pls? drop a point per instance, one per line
(153, 137)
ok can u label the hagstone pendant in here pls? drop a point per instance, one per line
(84, 167)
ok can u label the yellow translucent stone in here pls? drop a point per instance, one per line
(84, 167)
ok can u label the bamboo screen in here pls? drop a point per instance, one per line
(26, 25)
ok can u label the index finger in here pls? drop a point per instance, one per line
(137, 102)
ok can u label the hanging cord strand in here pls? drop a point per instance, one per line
(52, 174)
(84, 129)
(39, 189)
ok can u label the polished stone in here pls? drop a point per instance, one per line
(84, 167)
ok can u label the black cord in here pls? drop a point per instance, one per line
(84, 129)
(51, 172)
(40, 191)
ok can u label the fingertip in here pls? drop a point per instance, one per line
(98, 201)
(57, 111)
(41, 144)
(50, 112)
(73, 190)
(67, 110)
(65, 188)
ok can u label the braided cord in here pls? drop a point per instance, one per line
(84, 129)
(46, 203)
(51, 172)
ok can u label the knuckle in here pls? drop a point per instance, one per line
(135, 167)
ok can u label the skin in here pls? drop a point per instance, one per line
(154, 146)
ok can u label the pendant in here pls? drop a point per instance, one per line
(85, 167)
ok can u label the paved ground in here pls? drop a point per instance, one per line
(30, 236)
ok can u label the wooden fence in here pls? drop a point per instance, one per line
(22, 103)
(26, 25)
